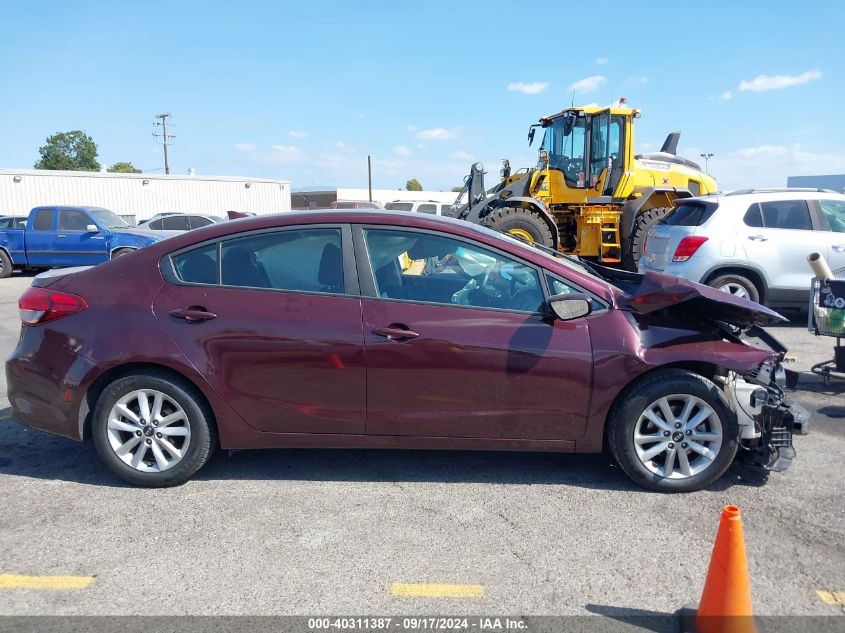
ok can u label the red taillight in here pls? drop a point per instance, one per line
(40, 305)
(687, 247)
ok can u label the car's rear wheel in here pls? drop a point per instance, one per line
(673, 431)
(153, 429)
(5, 265)
(737, 285)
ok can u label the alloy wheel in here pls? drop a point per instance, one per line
(735, 289)
(678, 436)
(148, 430)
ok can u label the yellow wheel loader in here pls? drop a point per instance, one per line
(589, 194)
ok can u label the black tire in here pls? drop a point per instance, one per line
(633, 250)
(736, 280)
(5, 265)
(510, 219)
(203, 438)
(628, 408)
(121, 252)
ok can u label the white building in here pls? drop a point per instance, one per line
(322, 198)
(140, 196)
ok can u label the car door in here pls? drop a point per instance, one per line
(39, 237)
(74, 244)
(778, 236)
(457, 344)
(272, 320)
(833, 215)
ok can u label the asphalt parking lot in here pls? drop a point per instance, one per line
(330, 532)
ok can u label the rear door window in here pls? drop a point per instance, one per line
(43, 220)
(689, 214)
(197, 266)
(175, 223)
(753, 217)
(834, 213)
(196, 221)
(306, 260)
(787, 214)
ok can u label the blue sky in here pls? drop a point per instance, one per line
(304, 91)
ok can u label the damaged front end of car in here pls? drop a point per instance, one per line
(766, 415)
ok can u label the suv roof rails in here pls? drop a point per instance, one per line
(740, 192)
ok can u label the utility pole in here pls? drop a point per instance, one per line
(370, 176)
(164, 136)
(706, 158)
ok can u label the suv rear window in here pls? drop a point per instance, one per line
(399, 206)
(689, 214)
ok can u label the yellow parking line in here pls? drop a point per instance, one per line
(16, 581)
(831, 597)
(431, 590)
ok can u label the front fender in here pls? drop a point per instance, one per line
(734, 357)
(123, 240)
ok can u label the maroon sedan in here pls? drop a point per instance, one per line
(388, 330)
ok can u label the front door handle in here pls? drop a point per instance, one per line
(61, 237)
(839, 248)
(395, 332)
(194, 314)
(757, 238)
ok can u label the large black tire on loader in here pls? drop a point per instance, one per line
(633, 249)
(521, 223)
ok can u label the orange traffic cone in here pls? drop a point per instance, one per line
(725, 605)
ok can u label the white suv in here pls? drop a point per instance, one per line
(752, 243)
(419, 206)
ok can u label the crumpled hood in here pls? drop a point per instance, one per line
(688, 298)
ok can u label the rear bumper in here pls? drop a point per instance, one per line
(44, 384)
(690, 269)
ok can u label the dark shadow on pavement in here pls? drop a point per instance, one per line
(643, 619)
(31, 453)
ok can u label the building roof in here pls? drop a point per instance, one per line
(141, 176)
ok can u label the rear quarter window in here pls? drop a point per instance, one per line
(688, 214)
(197, 266)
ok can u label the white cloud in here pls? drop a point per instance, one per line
(528, 89)
(402, 150)
(246, 147)
(420, 146)
(762, 83)
(411, 128)
(588, 84)
(437, 134)
(284, 154)
(727, 95)
(295, 134)
(601, 61)
(638, 79)
(462, 155)
(340, 144)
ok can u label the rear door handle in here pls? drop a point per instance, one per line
(757, 238)
(395, 332)
(194, 314)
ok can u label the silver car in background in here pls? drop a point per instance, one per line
(752, 243)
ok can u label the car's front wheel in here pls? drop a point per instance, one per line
(153, 429)
(673, 431)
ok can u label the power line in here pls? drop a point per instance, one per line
(164, 136)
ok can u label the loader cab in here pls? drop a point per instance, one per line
(582, 155)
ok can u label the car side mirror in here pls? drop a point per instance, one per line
(572, 305)
(92, 228)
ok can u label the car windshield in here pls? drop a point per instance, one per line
(108, 219)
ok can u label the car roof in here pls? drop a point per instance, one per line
(763, 195)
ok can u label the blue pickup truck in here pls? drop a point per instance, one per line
(59, 236)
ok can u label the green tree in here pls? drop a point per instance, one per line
(124, 168)
(456, 189)
(73, 151)
(413, 185)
